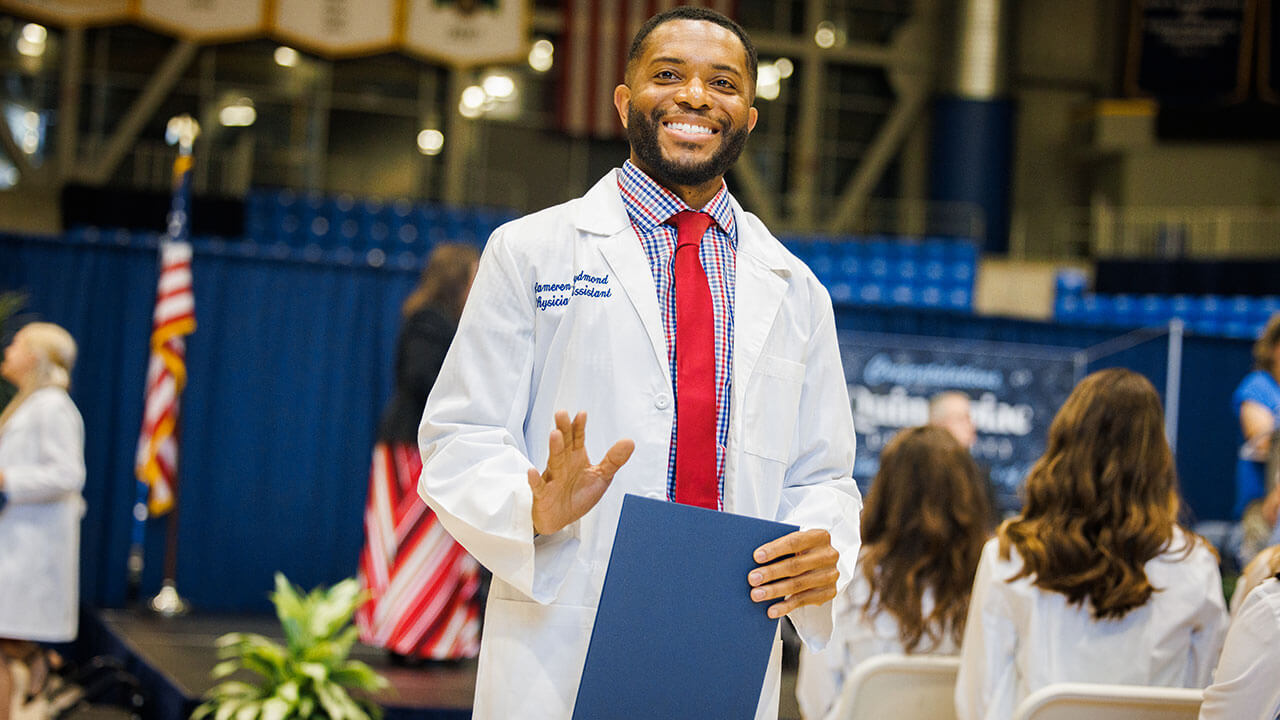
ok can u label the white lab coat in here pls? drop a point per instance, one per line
(521, 354)
(42, 457)
(821, 674)
(1246, 685)
(1019, 638)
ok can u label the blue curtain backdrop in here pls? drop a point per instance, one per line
(289, 370)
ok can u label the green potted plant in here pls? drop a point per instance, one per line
(310, 676)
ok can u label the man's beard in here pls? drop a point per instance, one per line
(642, 133)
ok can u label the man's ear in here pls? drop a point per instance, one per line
(622, 101)
(752, 116)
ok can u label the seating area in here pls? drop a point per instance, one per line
(908, 687)
(883, 270)
(1237, 316)
(283, 216)
(878, 270)
(922, 687)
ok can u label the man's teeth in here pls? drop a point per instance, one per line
(686, 127)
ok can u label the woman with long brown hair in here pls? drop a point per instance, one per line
(1095, 581)
(424, 587)
(923, 527)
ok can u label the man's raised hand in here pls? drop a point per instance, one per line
(571, 485)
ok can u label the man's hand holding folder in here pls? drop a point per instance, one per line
(799, 567)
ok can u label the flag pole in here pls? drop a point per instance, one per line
(158, 447)
(167, 602)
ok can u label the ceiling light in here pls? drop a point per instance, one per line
(31, 41)
(238, 114)
(286, 56)
(473, 99)
(34, 34)
(825, 36)
(430, 141)
(8, 175)
(785, 67)
(767, 82)
(499, 87)
(542, 55)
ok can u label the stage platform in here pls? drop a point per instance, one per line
(172, 659)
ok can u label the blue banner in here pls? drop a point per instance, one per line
(1014, 392)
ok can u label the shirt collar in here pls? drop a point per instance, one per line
(649, 204)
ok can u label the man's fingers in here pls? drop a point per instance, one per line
(565, 426)
(788, 586)
(816, 596)
(579, 438)
(555, 460)
(617, 455)
(792, 544)
(536, 483)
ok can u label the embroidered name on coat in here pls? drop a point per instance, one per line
(550, 295)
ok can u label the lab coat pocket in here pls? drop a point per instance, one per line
(545, 646)
(771, 407)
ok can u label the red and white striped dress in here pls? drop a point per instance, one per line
(424, 585)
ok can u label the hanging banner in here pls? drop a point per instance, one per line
(1014, 391)
(593, 56)
(70, 12)
(337, 28)
(1190, 51)
(204, 20)
(467, 32)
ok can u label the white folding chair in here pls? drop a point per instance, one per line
(903, 687)
(1069, 701)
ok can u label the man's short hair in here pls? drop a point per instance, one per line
(693, 12)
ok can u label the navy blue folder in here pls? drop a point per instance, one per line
(677, 635)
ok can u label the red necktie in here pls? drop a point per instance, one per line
(696, 482)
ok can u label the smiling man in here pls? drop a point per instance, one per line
(704, 353)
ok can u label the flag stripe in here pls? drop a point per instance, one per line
(173, 318)
(423, 585)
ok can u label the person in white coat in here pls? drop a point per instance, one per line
(1246, 683)
(41, 475)
(573, 309)
(923, 529)
(1094, 581)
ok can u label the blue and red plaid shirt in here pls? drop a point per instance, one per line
(649, 206)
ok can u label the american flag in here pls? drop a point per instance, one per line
(597, 38)
(174, 318)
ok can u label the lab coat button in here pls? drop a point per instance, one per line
(662, 402)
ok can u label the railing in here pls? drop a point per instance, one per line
(903, 217)
(1192, 232)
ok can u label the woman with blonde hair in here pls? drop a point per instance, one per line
(41, 476)
(923, 528)
(424, 587)
(1095, 581)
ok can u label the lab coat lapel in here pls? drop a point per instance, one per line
(602, 213)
